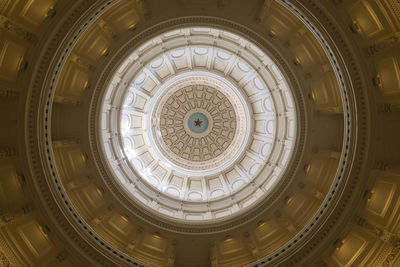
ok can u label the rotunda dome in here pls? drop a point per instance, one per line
(199, 123)
(199, 133)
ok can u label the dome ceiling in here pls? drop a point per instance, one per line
(206, 133)
(151, 179)
(208, 117)
(199, 124)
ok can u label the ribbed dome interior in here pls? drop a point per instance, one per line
(199, 133)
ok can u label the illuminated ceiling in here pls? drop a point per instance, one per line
(221, 79)
(208, 132)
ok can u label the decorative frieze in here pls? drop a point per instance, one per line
(380, 46)
(4, 260)
(388, 107)
(387, 167)
(9, 217)
(264, 10)
(8, 152)
(7, 24)
(8, 94)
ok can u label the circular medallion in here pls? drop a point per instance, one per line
(197, 123)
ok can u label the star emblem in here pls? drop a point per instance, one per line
(197, 122)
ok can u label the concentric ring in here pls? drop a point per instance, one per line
(219, 144)
(218, 180)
